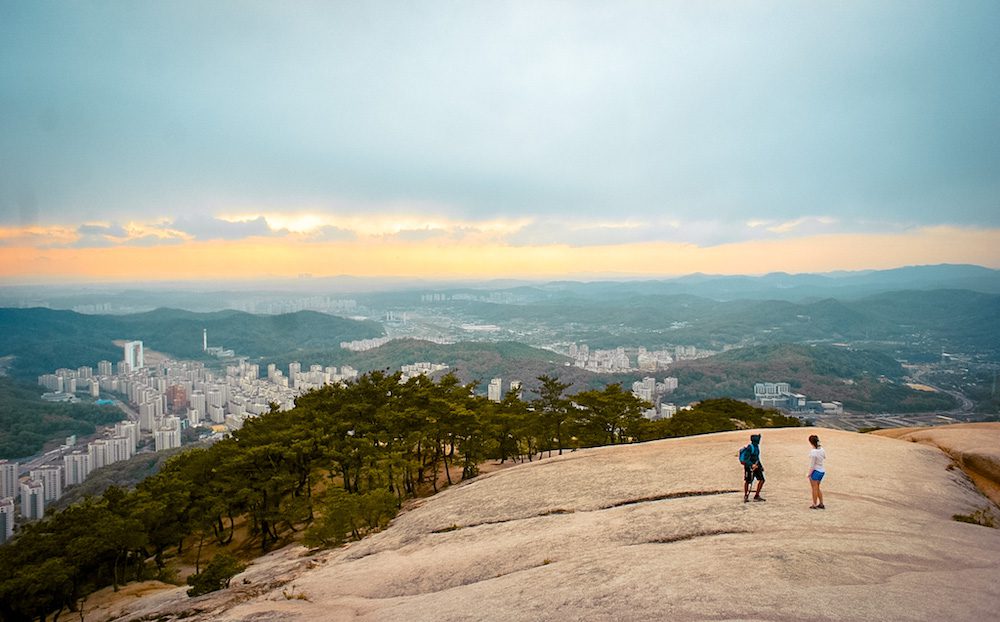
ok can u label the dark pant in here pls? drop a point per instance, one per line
(749, 473)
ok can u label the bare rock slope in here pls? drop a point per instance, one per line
(974, 446)
(656, 531)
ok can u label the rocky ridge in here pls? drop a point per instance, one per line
(651, 531)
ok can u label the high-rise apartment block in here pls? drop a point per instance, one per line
(133, 356)
(168, 434)
(147, 416)
(6, 519)
(129, 429)
(51, 382)
(100, 454)
(8, 478)
(197, 400)
(104, 368)
(177, 401)
(32, 500)
(51, 479)
(495, 390)
(515, 388)
(120, 448)
(76, 467)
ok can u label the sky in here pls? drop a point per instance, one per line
(145, 141)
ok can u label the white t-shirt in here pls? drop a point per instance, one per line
(816, 459)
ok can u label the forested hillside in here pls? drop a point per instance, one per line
(864, 381)
(42, 340)
(470, 361)
(335, 467)
(27, 422)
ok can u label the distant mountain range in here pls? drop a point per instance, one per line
(799, 287)
(201, 296)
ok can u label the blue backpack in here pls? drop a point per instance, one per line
(749, 455)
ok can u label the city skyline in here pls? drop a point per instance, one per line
(169, 142)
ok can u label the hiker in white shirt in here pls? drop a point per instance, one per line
(817, 469)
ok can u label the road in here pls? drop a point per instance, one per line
(854, 423)
(904, 420)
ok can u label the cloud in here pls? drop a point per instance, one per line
(210, 228)
(114, 230)
(135, 234)
(804, 225)
(701, 232)
(100, 236)
(421, 235)
(41, 237)
(503, 110)
(330, 233)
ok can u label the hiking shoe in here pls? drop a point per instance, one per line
(746, 499)
(759, 499)
(820, 507)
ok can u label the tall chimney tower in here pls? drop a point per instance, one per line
(204, 340)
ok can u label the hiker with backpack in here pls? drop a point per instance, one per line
(752, 468)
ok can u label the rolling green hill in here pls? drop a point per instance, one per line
(27, 422)
(43, 340)
(471, 361)
(863, 380)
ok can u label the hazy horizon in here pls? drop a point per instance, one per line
(473, 140)
(345, 283)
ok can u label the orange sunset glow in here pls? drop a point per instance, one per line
(281, 257)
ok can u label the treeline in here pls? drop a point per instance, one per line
(27, 422)
(335, 467)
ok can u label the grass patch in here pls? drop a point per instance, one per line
(982, 516)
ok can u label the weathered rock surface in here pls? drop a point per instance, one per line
(656, 531)
(973, 446)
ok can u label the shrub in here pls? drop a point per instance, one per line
(216, 575)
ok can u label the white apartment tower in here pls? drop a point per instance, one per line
(133, 356)
(51, 479)
(76, 467)
(8, 478)
(6, 519)
(168, 434)
(120, 448)
(100, 454)
(32, 500)
(495, 390)
(204, 340)
(129, 429)
(515, 387)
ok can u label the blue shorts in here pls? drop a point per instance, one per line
(817, 476)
